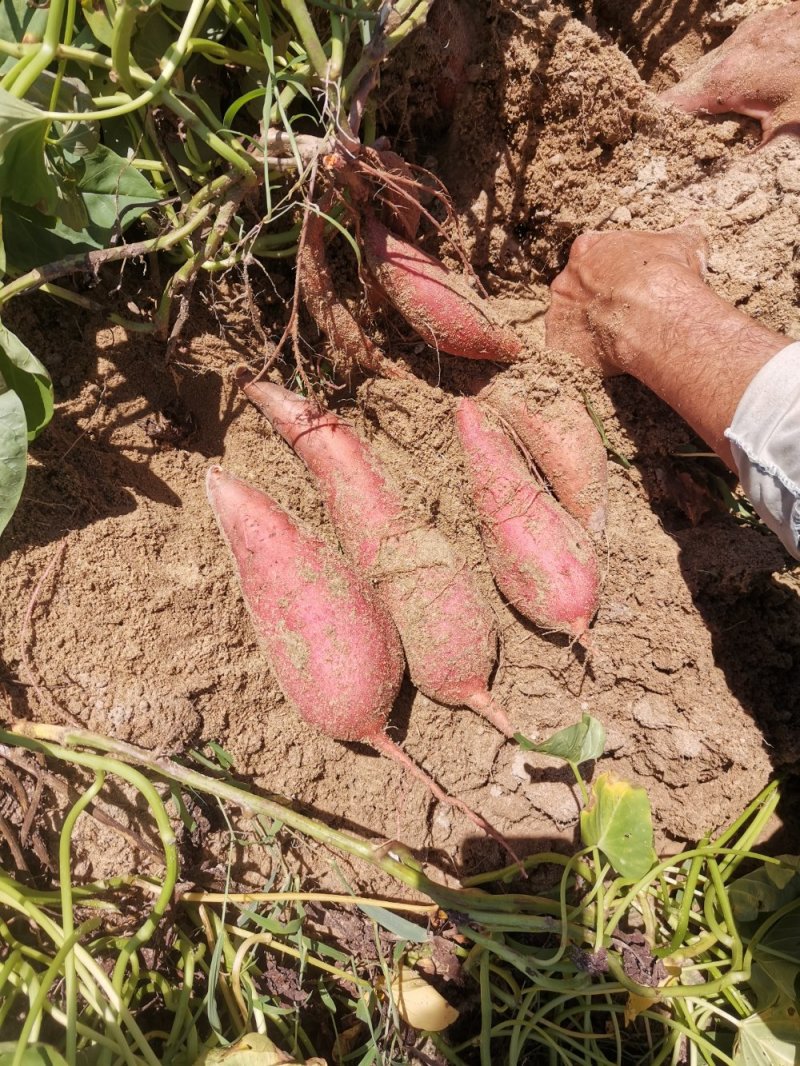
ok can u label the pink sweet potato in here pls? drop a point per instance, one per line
(438, 304)
(334, 651)
(542, 560)
(350, 346)
(398, 193)
(447, 628)
(564, 443)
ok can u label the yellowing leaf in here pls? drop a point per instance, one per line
(635, 1005)
(419, 1004)
(618, 822)
(771, 1038)
(255, 1049)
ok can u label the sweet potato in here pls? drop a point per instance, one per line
(446, 627)
(335, 653)
(401, 208)
(438, 304)
(350, 346)
(564, 443)
(542, 560)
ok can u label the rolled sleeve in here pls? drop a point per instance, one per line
(765, 440)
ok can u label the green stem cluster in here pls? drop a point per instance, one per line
(274, 43)
(552, 970)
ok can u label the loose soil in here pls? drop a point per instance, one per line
(140, 630)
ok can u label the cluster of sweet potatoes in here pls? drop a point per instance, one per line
(340, 628)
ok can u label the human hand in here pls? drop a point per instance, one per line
(636, 303)
(755, 73)
(622, 293)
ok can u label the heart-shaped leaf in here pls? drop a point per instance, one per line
(13, 451)
(576, 744)
(619, 823)
(24, 176)
(771, 1038)
(23, 373)
(765, 889)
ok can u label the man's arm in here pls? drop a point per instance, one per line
(636, 303)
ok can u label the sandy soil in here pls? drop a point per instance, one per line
(140, 630)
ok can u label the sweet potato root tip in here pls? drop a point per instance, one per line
(483, 703)
(388, 747)
(542, 560)
(439, 305)
(335, 653)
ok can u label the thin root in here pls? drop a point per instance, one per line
(387, 747)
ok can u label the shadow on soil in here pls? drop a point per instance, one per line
(733, 573)
(81, 473)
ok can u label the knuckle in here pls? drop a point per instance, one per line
(560, 285)
(582, 244)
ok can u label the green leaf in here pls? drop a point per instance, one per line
(765, 889)
(13, 451)
(98, 22)
(777, 956)
(396, 924)
(111, 193)
(576, 744)
(618, 822)
(270, 925)
(771, 1038)
(24, 175)
(23, 373)
(19, 19)
(81, 135)
(223, 757)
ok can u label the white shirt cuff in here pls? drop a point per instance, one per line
(765, 440)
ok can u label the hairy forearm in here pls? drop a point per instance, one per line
(701, 358)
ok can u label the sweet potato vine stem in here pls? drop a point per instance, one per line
(198, 210)
(61, 741)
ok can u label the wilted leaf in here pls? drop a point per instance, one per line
(634, 1005)
(253, 1050)
(348, 1040)
(576, 744)
(618, 822)
(419, 1004)
(771, 1038)
(765, 889)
